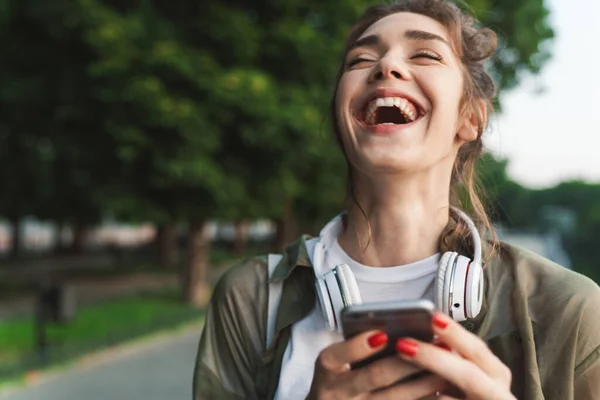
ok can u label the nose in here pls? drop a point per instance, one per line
(389, 68)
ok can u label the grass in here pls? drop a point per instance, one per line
(93, 327)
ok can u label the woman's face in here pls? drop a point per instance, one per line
(398, 98)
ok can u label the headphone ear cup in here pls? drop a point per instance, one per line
(444, 271)
(325, 303)
(474, 290)
(335, 295)
(348, 285)
(336, 290)
(459, 300)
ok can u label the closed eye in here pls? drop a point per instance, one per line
(357, 60)
(428, 54)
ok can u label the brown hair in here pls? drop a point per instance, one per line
(473, 45)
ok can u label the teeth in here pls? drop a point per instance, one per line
(371, 108)
(407, 108)
(371, 119)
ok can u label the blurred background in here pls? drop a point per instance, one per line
(148, 145)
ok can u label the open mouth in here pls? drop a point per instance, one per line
(390, 111)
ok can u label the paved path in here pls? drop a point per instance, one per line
(159, 369)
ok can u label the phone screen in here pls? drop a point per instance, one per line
(412, 322)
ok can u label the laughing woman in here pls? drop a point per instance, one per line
(411, 103)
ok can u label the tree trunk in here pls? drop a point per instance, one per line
(195, 286)
(286, 227)
(79, 236)
(241, 237)
(166, 243)
(16, 249)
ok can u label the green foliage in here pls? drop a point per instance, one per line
(154, 110)
(524, 31)
(164, 111)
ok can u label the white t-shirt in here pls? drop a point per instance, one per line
(310, 335)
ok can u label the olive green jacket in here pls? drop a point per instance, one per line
(541, 320)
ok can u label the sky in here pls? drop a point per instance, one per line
(555, 136)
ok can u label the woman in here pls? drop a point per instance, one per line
(409, 109)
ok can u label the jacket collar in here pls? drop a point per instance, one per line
(295, 255)
(299, 255)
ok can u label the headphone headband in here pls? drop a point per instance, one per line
(474, 234)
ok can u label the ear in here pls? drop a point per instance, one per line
(474, 116)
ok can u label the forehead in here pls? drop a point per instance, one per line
(395, 24)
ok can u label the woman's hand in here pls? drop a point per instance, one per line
(471, 367)
(333, 378)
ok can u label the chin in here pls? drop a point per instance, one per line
(389, 162)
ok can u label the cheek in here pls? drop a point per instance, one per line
(351, 83)
(344, 91)
(340, 120)
(446, 93)
(339, 100)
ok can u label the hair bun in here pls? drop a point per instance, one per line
(481, 45)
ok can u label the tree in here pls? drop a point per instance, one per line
(156, 88)
(52, 122)
(195, 111)
(524, 32)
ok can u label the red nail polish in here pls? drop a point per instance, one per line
(378, 339)
(407, 347)
(440, 320)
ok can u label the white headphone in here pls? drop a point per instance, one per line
(458, 289)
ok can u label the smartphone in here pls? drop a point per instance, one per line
(411, 318)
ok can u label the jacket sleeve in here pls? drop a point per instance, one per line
(587, 370)
(232, 338)
(587, 377)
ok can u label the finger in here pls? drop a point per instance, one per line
(439, 343)
(379, 374)
(416, 389)
(462, 373)
(448, 394)
(470, 347)
(338, 356)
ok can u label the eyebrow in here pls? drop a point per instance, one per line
(423, 36)
(367, 41)
(411, 34)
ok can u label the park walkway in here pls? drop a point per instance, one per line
(155, 369)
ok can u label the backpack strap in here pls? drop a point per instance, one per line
(275, 289)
